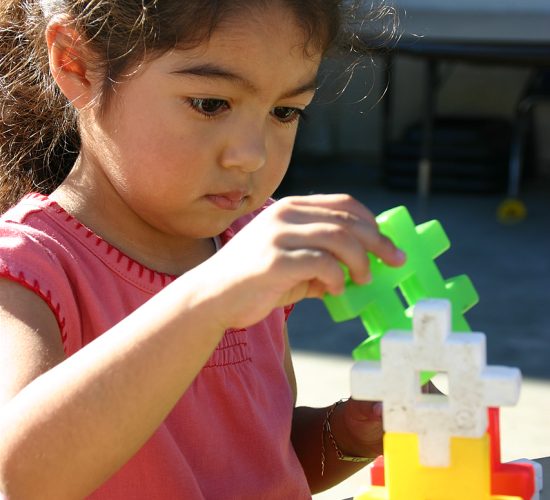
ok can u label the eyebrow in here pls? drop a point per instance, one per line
(214, 72)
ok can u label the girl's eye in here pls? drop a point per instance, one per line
(287, 115)
(207, 106)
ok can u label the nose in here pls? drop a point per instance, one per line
(245, 149)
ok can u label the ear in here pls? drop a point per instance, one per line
(68, 64)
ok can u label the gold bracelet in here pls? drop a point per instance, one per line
(339, 454)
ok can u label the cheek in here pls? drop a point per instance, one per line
(280, 153)
(158, 147)
(282, 145)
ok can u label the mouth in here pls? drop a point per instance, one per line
(231, 200)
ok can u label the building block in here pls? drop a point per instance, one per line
(379, 304)
(524, 482)
(381, 493)
(513, 478)
(473, 386)
(468, 477)
(376, 470)
(538, 474)
(455, 448)
(374, 493)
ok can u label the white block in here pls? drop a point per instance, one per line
(366, 381)
(432, 347)
(502, 385)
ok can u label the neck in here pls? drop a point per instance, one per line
(109, 217)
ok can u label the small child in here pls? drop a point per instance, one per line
(146, 274)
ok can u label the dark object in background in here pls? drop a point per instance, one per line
(523, 144)
(469, 154)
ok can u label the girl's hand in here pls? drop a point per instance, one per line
(291, 251)
(363, 429)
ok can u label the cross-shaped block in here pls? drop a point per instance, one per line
(432, 347)
(379, 303)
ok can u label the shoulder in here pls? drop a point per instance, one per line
(27, 236)
(21, 234)
(32, 256)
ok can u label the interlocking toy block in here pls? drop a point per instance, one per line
(381, 493)
(528, 478)
(473, 386)
(378, 303)
(521, 478)
(467, 478)
(376, 469)
(448, 431)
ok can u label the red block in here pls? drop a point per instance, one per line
(508, 479)
(377, 472)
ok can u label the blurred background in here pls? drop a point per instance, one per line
(461, 96)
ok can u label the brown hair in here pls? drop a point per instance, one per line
(39, 139)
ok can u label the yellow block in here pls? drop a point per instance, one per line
(374, 493)
(378, 493)
(467, 478)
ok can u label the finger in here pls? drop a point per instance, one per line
(338, 202)
(344, 210)
(349, 242)
(337, 240)
(318, 269)
(382, 247)
(316, 289)
(363, 411)
(297, 213)
(375, 242)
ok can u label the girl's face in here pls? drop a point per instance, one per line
(197, 138)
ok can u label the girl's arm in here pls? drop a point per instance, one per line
(356, 427)
(82, 418)
(99, 406)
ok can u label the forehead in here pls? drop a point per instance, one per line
(261, 33)
(267, 43)
(274, 23)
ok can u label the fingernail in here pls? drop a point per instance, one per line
(402, 256)
(377, 409)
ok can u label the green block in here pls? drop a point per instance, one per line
(386, 302)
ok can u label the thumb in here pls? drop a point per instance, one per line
(377, 409)
(366, 410)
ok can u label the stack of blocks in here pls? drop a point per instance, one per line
(436, 447)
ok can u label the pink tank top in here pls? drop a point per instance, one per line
(229, 435)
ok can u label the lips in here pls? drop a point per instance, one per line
(231, 200)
